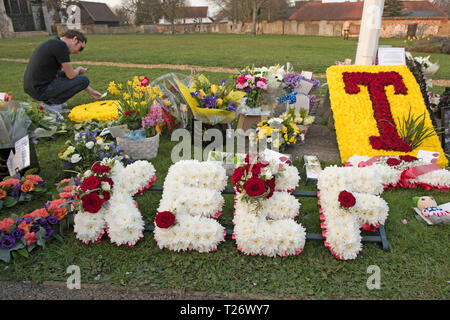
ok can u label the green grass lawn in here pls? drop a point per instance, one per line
(217, 50)
(416, 267)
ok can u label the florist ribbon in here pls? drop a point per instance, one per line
(136, 135)
(414, 172)
(290, 96)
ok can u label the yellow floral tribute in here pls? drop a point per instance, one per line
(103, 111)
(369, 104)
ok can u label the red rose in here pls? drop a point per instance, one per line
(100, 169)
(262, 79)
(106, 195)
(90, 183)
(127, 113)
(254, 187)
(393, 161)
(92, 202)
(109, 180)
(241, 79)
(346, 199)
(144, 82)
(271, 184)
(256, 169)
(408, 158)
(237, 175)
(164, 219)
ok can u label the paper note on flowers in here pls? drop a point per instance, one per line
(370, 106)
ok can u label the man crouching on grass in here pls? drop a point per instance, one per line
(50, 77)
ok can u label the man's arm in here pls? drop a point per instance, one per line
(70, 71)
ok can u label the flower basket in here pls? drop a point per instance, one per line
(144, 149)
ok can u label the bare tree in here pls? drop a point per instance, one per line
(126, 12)
(172, 10)
(243, 10)
(148, 11)
(57, 6)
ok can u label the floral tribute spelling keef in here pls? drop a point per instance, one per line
(190, 203)
(18, 189)
(367, 103)
(113, 211)
(350, 201)
(265, 210)
(103, 111)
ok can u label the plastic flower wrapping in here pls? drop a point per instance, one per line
(428, 68)
(88, 147)
(190, 203)
(211, 103)
(43, 123)
(279, 133)
(404, 171)
(14, 124)
(350, 201)
(264, 217)
(174, 104)
(18, 189)
(299, 117)
(105, 202)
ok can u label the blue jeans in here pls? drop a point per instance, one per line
(62, 88)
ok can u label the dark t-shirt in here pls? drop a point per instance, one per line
(43, 66)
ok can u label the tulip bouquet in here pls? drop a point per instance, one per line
(87, 148)
(17, 189)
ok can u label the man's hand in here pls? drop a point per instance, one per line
(93, 93)
(82, 70)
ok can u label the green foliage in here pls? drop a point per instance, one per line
(413, 131)
(393, 8)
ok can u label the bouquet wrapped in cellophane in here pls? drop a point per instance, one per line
(211, 103)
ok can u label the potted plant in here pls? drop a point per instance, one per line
(142, 114)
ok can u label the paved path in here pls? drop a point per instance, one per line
(53, 290)
(443, 82)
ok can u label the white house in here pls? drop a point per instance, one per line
(187, 15)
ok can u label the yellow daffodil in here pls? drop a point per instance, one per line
(219, 102)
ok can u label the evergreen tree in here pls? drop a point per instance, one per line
(393, 8)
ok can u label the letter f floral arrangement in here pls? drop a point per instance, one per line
(265, 210)
(212, 103)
